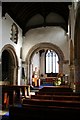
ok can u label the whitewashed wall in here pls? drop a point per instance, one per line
(54, 35)
(7, 22)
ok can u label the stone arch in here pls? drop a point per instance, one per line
(45, 46)
(12, 74)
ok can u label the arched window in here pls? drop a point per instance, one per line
(52, 59)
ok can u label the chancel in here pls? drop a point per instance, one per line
(40, 60)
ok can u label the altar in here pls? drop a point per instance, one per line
(48, 80)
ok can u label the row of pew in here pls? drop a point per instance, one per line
(12, 94)
(45, 105)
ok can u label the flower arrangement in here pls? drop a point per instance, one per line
(59, 79)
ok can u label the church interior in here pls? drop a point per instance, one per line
(39, 60)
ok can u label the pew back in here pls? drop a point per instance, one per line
(57, 97)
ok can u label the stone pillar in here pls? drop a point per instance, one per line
(30, 74)
(71, 80)
(40, 64)
(29, 66)
(77, 51)
(72, 67)
(26, 73)
(77, 75)
(15, 81)
(61, 66)
(26, 78)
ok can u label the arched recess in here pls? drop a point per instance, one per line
(9, 65)
(39, 47)
(77, 48)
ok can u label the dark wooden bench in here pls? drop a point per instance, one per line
(56, 89)
(57, 93)
(29, 111)
(12, 94)
(47, 108)
(43, 102)
(57, 97)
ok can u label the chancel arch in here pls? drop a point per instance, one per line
(9, 65)
(39, 47)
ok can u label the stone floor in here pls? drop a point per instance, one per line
(4, 115)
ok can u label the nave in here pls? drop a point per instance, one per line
(46, 103)
(34, 47)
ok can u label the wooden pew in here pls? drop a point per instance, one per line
(12, 94)
(56, 97)
(57, 93)
(56, 89)
(29, 111)
(63, 103)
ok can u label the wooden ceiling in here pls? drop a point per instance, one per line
(22, 12)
